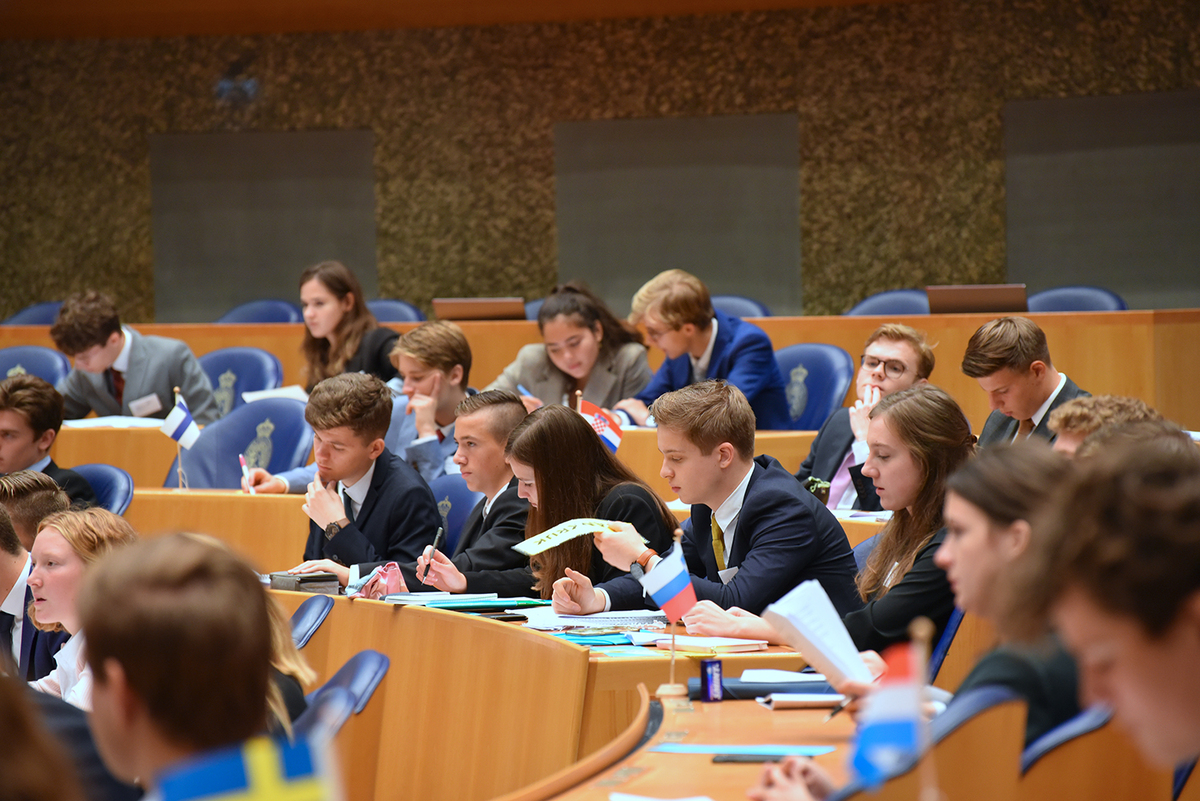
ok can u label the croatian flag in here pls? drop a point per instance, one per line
(604, 423)
(670, 585)
(179, 424)
(891, 727)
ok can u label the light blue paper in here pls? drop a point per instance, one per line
(765, 750)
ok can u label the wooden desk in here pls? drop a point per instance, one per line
(639, 452)
(268, 530)
(144, 453)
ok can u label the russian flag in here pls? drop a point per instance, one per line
(179, 424)
(604, 423)
(891, 727)
(670, 585)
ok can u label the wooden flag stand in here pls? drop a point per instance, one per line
(671, 689)
(181, 478)
(921, 631)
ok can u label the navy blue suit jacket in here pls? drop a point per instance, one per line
(783, 536)
(743, 356)
(69, 726)
(38, 647)
(999, 427)
(828, 450)
(76, 486)
(398, 518)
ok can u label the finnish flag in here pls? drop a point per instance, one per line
(179, 424)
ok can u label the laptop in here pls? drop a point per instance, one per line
(479, 308)
(968, 298)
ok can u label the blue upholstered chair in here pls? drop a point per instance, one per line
(47, 364)
(1087, 721)
(325, 717)
(938, 655)
(532, 307)
(36, 314)
(112, 485)
(233, 371)
(387, 310)
(308, 617)
(965, 708)
(272, 433)
(454, 502)
(360, 676)
(1076, 298)
(862, 551)
(739, 306)
(894, 301)
(817, 378)
(263, 311)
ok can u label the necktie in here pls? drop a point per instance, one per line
(6, 628)
(349, 504)
(1024, 429)
(441, 436)
(118, 382)
(841, 481)
(718, 544)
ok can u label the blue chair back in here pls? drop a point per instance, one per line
(325, 717)
(454, 502)
(271, 433)
(894, 301)
(1076, 298)
(360, 676)
(112, 485)
(47, 364)
(1087, 721)
(263, 311)
(532, 307)
(36, 314)
(938, 656)
(739, 306)
(817, 377)
(387, 310)
(233, 371)
(308, 617)
(1180, 780)
(862, 551)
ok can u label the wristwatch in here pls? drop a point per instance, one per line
(643, 561)
(331, 530)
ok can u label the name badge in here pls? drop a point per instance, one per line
(144, 407)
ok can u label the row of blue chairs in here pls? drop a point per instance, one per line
(388, 310)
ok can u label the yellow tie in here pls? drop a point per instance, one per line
(1024, 429)
(718, 544)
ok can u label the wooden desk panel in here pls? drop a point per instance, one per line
(144, 453)
(268, 530)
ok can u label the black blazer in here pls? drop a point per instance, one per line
(69, 726)
(373, 354)
(38, 647)
(828, 450)
(923, 590)
(1001, 428)
(784, 536)
(398, 518)
(78, 490)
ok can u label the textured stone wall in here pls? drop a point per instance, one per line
(900, 106)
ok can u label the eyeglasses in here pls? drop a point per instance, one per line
(891, 368)
(654, 334)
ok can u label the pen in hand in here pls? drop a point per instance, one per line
(847, 701)
(246, 473)
(437, 540)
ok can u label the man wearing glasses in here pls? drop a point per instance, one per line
(895, 358)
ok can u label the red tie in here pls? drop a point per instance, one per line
(118, 381)
(441, 436)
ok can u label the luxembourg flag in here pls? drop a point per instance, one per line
(604, 423)
(179, 424)
(670, 585)
(891, 728)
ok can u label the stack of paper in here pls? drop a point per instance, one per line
(809, 623)
(713, 645)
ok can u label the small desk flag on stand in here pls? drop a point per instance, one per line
(260, 769)
(179, 424)
(604, 423)
(890, 726)
(670, 585)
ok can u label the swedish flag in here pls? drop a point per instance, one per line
(261, 769)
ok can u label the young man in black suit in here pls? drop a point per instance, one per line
(31, 414)
(1010, 359)
(894, 358)
(756, 533)
(484, 559)
(366, 504)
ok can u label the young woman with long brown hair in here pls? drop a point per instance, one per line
(341, 335)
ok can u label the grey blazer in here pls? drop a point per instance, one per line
(620, 375)
(156, 366)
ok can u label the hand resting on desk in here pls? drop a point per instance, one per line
(324, 566)
(264, 482)
(793, 779)
(575, 595)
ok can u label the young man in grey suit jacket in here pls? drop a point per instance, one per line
(120, 372)
(1010, 359)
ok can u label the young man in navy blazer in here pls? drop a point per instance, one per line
(769, 535)
(31, 414)
(366, 504)
(1010, 359)
(701, 343)
(894, 358)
